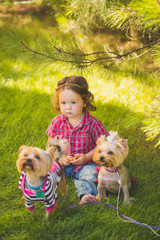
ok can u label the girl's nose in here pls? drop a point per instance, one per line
(68, 106)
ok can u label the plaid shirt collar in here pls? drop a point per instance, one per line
(85, 119)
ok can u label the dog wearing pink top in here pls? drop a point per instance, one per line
(41, 174)
(109, 155)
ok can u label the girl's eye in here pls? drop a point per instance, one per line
(73, 102)
(63, 103)
(37, 157)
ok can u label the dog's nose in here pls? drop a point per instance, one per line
(101, 158)
(28, 160)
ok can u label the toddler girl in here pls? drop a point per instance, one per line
(81, 129)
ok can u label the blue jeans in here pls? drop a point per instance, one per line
(84, 180)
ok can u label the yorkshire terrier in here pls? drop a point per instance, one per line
(41, 174)
(109, 155)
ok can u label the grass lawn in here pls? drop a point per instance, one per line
(25, 113)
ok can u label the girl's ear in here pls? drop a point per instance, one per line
(84, 106)
(84, 103)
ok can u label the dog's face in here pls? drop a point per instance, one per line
(35, 160)
(110, 154)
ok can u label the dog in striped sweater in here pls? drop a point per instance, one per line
(41, 173)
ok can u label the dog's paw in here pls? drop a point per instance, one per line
(33, 213)
(104, 198)
(48, 215)
(128, 201)
(64, 196)
(98, 198)
(132, 199)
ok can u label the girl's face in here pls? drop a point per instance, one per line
(71, 104)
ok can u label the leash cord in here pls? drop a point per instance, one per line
(119, 191)
(129, 221)
(111, 206)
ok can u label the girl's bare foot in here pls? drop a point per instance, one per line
(87, 199)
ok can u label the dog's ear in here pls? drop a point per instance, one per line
(50, 156)
(101, 139)
(123, 146)
(64, 144)
(21, 148)
(123, 142)
(49, 143)
(51, 151)
(52, 141)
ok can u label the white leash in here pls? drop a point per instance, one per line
(119, 190)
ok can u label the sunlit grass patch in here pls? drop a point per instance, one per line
(135, 95)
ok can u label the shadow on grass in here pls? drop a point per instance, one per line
(24, 118)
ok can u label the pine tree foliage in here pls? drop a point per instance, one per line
(117, 14)
(151, 124)
(66, 49)
(134, 18)
(138, 21)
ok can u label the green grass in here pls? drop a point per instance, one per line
(25, 113)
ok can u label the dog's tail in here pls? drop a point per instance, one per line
(61, 146)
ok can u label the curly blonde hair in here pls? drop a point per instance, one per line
(77, 84)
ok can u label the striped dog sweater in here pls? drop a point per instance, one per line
(49, 196)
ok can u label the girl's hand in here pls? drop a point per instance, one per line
(63, 161)
(80, 159)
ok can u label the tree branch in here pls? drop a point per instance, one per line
(44, 55)
(85, 62)
(77, 54)
(138, 55)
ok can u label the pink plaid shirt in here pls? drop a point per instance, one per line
(82, 138)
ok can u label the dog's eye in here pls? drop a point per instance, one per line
(99, 151)
(38, 157)
(25, 155)
(110, 152)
